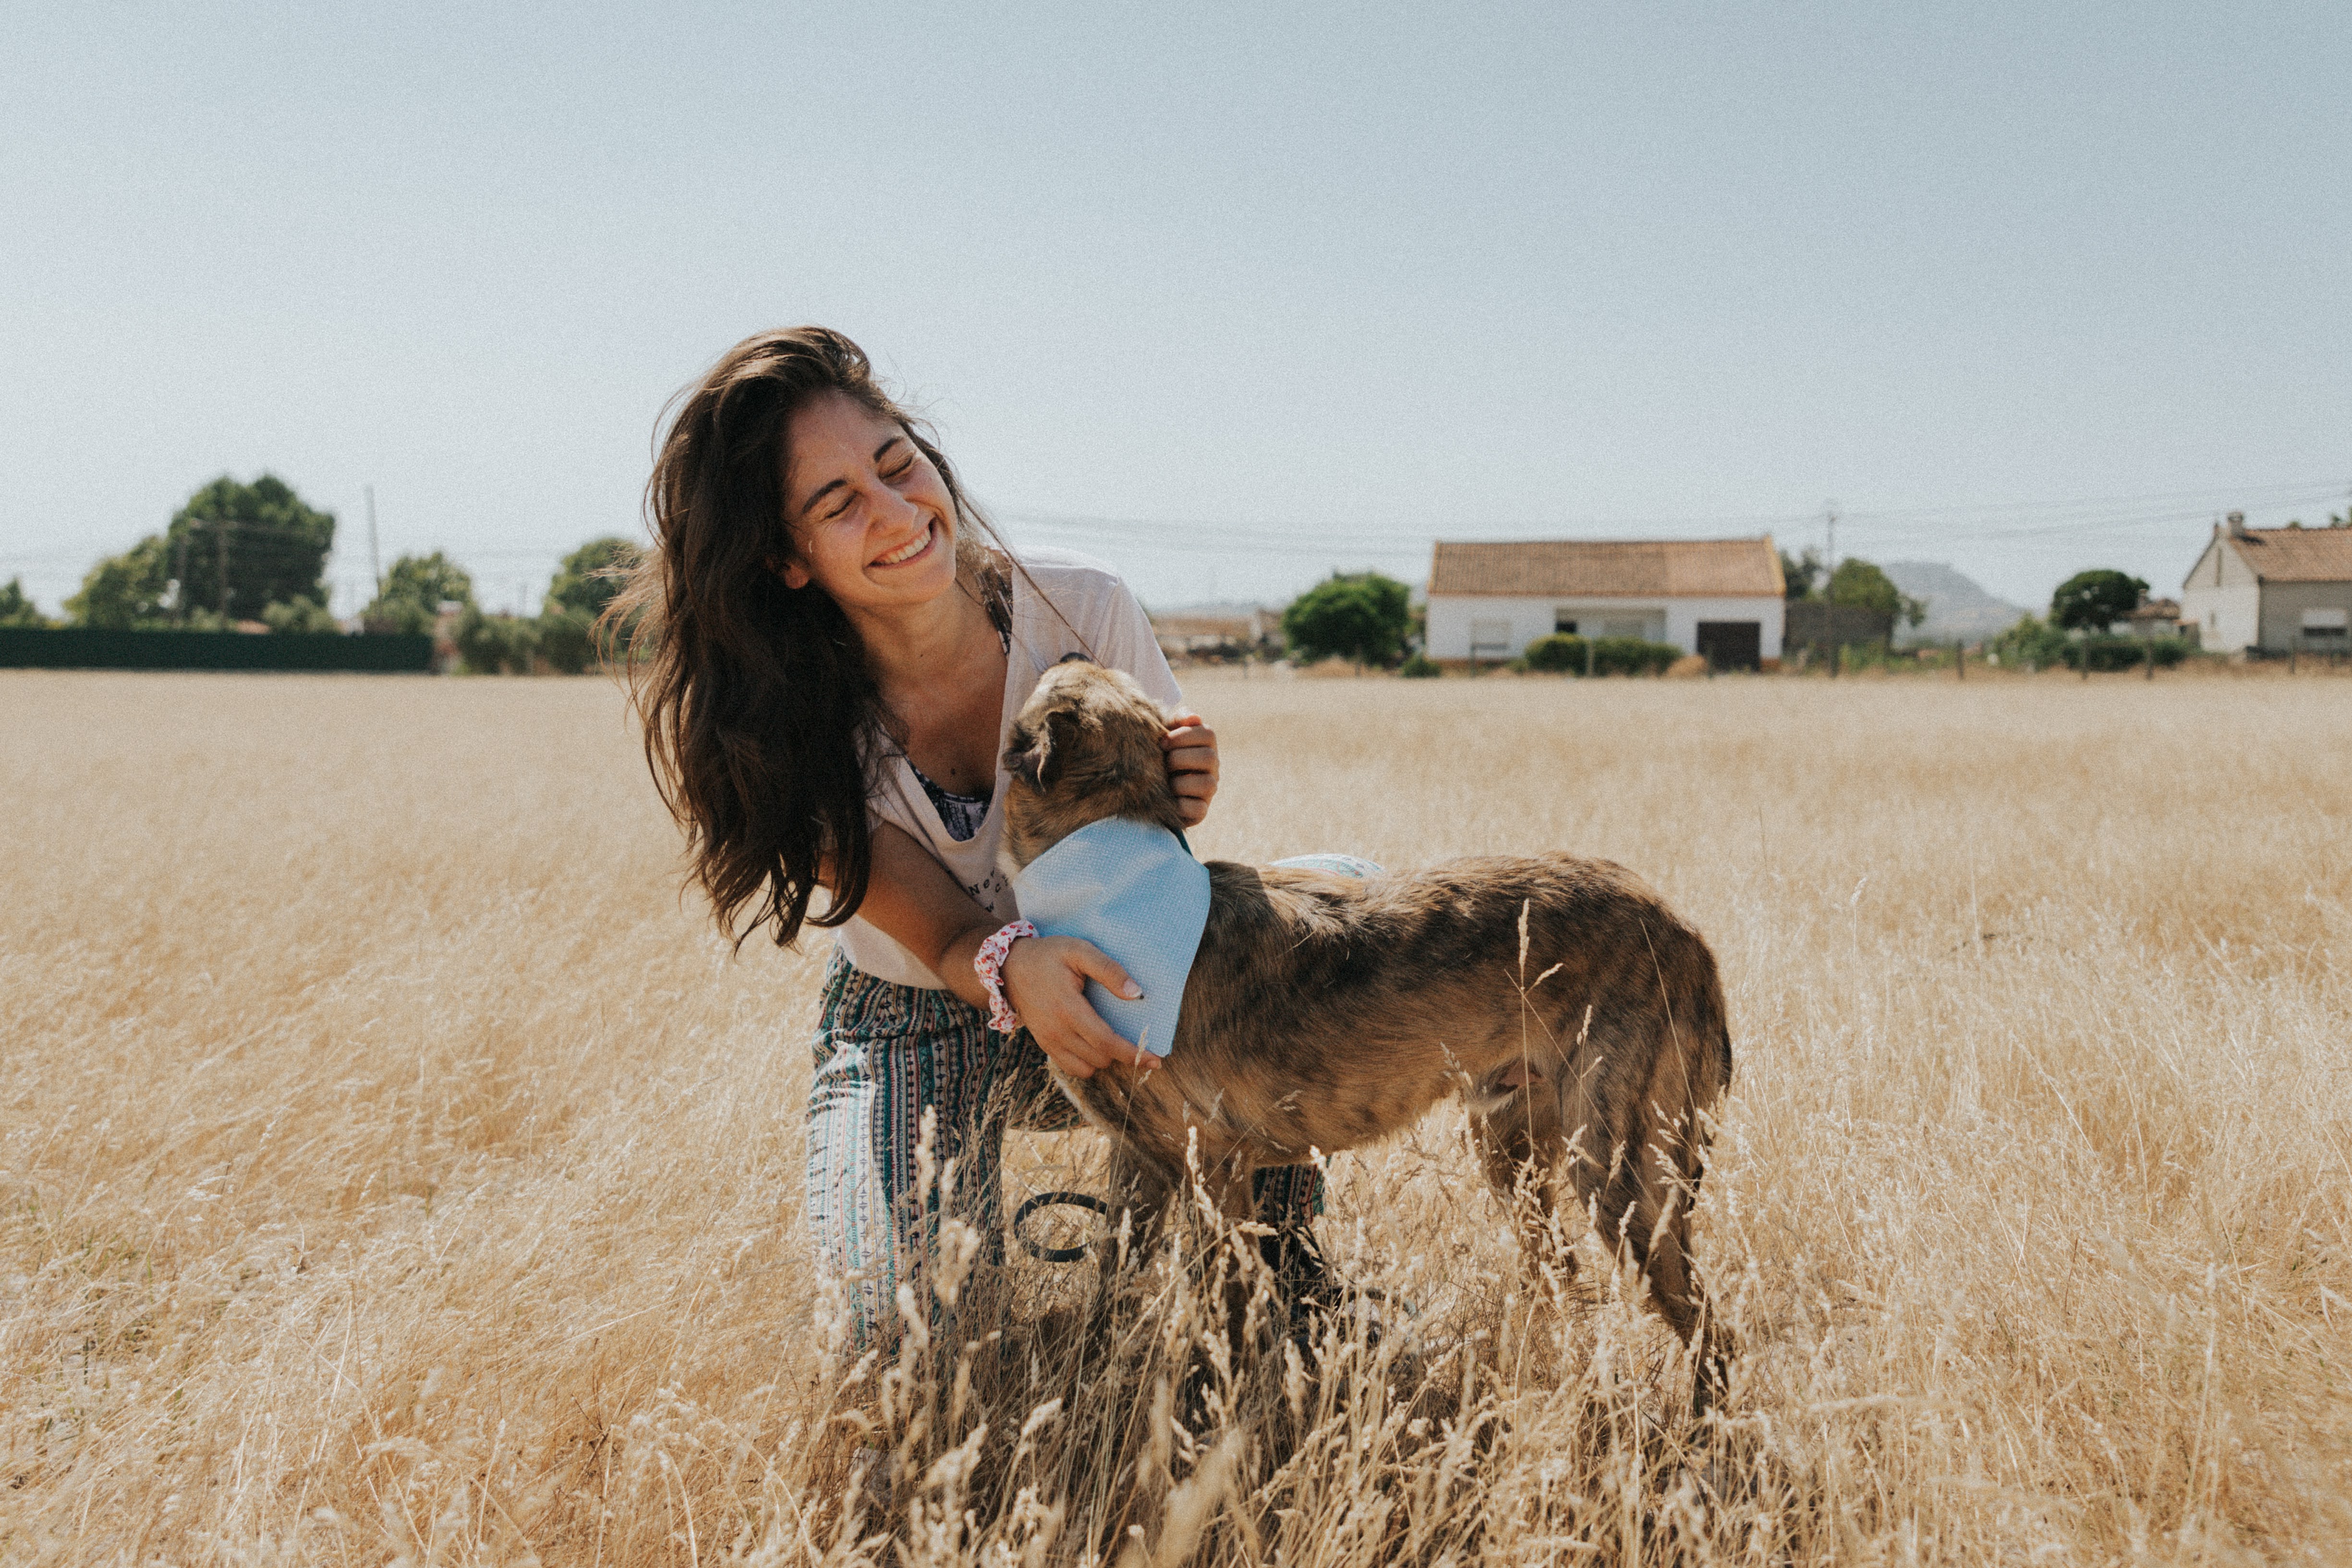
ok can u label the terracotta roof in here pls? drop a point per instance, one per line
(2296, 554)
(2156, 610)
(1612, 568)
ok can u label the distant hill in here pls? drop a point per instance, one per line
(1957, 605)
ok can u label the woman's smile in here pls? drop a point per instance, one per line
(914, 549)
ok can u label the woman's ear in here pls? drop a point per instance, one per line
(793, 574)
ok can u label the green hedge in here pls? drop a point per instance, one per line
(80, 648)
(1565, 652)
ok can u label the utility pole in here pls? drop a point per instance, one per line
(375, 562)
(180, 580)
(1828, 576)
(220, 551)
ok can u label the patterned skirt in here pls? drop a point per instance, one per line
(886, 1055)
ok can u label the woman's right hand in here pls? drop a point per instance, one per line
(1044, 978)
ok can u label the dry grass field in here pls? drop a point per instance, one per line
(396, 1169)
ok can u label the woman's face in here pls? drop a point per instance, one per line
(871, 520)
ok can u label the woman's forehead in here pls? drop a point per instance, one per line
(830, 436)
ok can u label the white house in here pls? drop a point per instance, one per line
(2270, 590)
(1722, 597)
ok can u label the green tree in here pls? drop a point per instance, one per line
(130, 592)
(1863, 586)
(1361, 616)
(590, 579)
(592, 576)
(413, 592)
(16, 610)
(272, 544)
(1801, 573)
(2096, 600)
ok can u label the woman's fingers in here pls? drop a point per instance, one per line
(1191, 749)
(1045, 980)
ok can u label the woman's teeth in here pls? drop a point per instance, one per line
(906, 552)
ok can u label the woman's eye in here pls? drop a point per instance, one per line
(901, 471)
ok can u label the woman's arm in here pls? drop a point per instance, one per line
(911, 897)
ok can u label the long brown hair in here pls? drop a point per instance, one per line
(762, 721)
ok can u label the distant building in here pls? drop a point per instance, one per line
(2270, 590)
(1721, 598)
(2155, 618)
(1217, 635)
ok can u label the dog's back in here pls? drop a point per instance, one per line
(1329, 1009)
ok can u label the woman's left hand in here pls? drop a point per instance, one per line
(1192, 748)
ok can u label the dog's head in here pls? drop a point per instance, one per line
(1086, 746)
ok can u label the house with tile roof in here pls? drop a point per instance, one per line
(2270, 590)
(1722, 597)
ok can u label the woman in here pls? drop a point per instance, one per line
(831, 648)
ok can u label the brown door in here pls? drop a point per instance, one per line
(1732, 645)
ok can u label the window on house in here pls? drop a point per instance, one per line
(1564, 622)
(1491, 639)
(2325, 625)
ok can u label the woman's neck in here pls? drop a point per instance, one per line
(916, 649)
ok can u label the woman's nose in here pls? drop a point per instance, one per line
(887, 508)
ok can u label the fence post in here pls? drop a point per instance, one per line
(2150, 651)
(1959, 659)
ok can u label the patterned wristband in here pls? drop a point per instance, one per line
(988, 965)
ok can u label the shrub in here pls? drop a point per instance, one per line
(1420, 666)
(1561, 651)
(300, 613)
(1565, 652)
(1631, 656)
(2032, 641)
(490, 643)
(567, 638)
(2041, 644)
(2130, 653)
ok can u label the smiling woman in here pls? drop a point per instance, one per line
(833, 645)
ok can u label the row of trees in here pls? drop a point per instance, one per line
(237, 553)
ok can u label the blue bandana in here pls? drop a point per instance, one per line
(1135, 892)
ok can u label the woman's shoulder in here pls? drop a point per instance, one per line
(1052, 569)
(1074, 587)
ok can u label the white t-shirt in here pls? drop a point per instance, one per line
(1099, 617)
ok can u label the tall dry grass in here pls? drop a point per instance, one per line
(394, 1169)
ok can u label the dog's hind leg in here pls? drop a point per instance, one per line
(1655, 1226)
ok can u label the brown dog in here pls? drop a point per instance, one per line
(1580, 1020)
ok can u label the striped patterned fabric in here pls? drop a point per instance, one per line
(885, 1054)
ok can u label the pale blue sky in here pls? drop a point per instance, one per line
(1273, 290)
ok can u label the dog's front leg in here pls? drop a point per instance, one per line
(1521, 1148)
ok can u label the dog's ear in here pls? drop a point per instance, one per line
(1036, 756)
(1025, 758)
